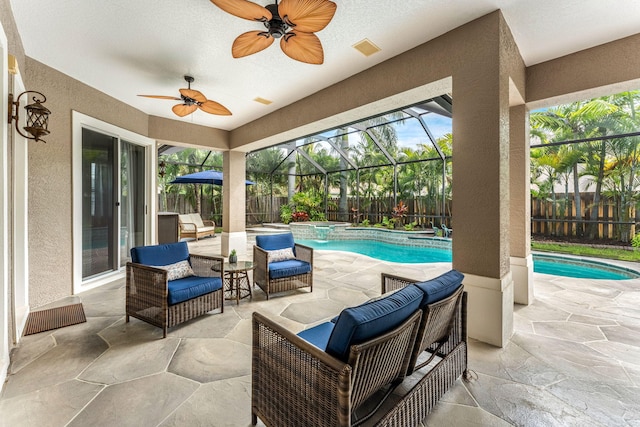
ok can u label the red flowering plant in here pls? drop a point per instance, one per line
(299, 217)
(399, 212)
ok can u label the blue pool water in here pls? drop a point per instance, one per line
(546, 264)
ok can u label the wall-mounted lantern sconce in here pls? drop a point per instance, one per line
(162, 169)
(37, 116)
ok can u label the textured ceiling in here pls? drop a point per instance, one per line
(124, 48)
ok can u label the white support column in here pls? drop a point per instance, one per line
(234, 235)
(520, 207)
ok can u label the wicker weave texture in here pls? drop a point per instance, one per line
(273, 286)
(147, 293)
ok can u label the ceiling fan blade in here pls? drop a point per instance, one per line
(250, 43)
(244, 9)
(212, 107)
(193, 94)
(308, 16)
(161, 97)
(182, 110)
(304, 47)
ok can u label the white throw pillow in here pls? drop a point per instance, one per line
(280, 255)
(179, 270)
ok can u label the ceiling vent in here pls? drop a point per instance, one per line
(263, 101)
(366, 47)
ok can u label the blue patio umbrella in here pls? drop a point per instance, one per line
(204, 177)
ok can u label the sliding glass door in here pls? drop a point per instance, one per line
(113, 201)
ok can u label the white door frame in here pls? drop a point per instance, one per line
(80, 121)
(4, 209)
(20, 207)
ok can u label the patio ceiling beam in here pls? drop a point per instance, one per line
(445, 102)
(339, 150)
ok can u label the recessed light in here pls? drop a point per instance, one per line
(366, 47)
(263, 101)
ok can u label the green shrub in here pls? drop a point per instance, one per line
(365, 223)
(635, 242)
(286, 213)
(411, 226)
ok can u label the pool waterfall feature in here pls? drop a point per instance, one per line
(345, 231)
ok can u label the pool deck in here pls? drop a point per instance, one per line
(573, 359)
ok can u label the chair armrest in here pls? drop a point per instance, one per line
(392, 283)
(208, 223)
(304, 253)
(207, 266)
(294, 381)
(188, 226)
(148, 285)
(261, 261)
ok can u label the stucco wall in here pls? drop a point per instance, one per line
(50, 189)
(602, 70)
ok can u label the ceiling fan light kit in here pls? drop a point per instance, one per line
(192, 100)
(294, 22)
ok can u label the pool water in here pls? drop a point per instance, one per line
(545, 264)
(382, 251)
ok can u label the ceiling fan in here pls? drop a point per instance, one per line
(192, 100)
(301, 17)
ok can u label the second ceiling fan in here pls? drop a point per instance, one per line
(192, 100)
(291, 21)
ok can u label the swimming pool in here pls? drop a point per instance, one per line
(545, 264)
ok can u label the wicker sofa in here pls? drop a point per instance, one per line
(164, 291)
(338, 374)
(192, 225)
(285, 273)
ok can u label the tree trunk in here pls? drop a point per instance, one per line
(593, 228)
(577, 201)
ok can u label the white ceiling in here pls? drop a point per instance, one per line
(124, 48)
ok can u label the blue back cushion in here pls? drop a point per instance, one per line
(272, 242)
(160, 254)
(441, 287)
(191, 287)
(288, 268)
(364, 322)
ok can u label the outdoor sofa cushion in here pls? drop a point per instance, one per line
(191, 287)
(272, 242)
(169, 253)
(364, 322)
(291, 267)
(440, 287)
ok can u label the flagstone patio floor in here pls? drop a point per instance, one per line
(573, 360)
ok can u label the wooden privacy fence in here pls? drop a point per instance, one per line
(608, 225)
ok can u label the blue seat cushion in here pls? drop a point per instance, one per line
(191, 287)
(318, 335)
(371, 319)
(288, 268)
(441, 287)
(272, 242)
(170, 253)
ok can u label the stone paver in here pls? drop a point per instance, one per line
(573, 358)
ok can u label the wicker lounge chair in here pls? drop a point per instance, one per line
(153, 298)
(297, 383)
(285, 273)
(192, 225)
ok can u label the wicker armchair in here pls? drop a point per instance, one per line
(295, 383)
(153, 298)
(273, 277)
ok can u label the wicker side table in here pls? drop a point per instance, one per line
(236, 280)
